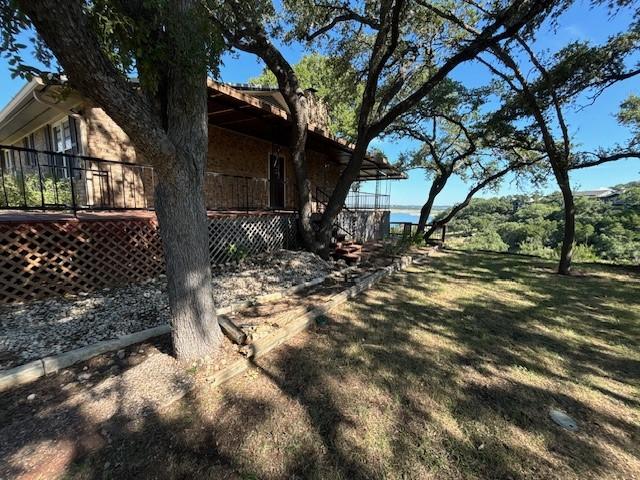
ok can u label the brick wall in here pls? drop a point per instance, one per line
(229, 153)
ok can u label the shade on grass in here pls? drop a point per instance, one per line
(446, 370)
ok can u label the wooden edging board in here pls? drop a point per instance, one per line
(35, 369)
(303, 321)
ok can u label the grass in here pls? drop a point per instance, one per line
(446, 370)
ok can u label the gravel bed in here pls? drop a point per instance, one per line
(38, 329)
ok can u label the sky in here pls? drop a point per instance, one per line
(591, 127)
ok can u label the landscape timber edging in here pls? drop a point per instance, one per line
(36, 369)
(264, 345)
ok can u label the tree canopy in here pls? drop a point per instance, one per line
(339, 91)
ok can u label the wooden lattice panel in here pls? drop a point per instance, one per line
(46, 259)
(240, 235)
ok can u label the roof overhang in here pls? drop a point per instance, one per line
(240, 112)
(35, 105)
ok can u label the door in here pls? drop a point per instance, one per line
(276, 181)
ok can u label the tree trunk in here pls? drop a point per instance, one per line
(436, 187)
(297, 144)
(568, 237)
(183, 228)
(180, 193)
(338, 197)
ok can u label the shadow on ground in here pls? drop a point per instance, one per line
(447, 370)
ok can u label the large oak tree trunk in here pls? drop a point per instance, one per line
(180, 195)
(338, 197)
(568, 237)
(297, 144)
(173, 140)
(183, 228)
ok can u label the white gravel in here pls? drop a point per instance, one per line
(37, 329)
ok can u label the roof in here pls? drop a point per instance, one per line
(600, 193)
(241, 110)
(35, 105)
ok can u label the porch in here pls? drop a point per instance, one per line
(36, 180)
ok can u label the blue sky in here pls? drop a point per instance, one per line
(592, 127)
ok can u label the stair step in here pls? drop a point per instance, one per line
(350, 258)
(347, 250)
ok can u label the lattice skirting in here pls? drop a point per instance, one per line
(230, 237)
(366, 225)
(45, 259)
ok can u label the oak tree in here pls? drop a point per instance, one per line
(170, 46)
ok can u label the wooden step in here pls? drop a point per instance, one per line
(347, 250)
(350, 258)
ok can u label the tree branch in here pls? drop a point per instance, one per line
(94, 76)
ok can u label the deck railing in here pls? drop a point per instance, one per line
(357, 200)
(409, 230)
(43, 180)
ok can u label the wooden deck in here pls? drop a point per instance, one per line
(33, 216)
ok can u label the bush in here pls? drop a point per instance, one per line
(485, 240)
(535, 247)
(584, 253)
(55, 192)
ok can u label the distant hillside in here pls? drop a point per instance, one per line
(437, 208)
(607, 228)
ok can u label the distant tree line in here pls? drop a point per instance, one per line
(605, 229)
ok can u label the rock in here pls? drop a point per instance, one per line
(38, 329)
(562, 419)
(31, 397)
(84, 376)
(85, 368)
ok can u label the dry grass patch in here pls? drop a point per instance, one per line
(447, 370)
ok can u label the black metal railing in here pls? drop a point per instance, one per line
(35, 179)
(409, 230)
(357, 200)
(239, 192)
(42, 180)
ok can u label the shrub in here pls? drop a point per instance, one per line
(485, 240)
(55, 191)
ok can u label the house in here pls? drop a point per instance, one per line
(78, 158)
(605, 194)
(76, 199)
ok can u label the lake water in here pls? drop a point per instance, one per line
(405, 217)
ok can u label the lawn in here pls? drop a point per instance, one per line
(446, 370)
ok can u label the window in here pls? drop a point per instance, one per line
(62, 141)
(29, 157)
(8, 162)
